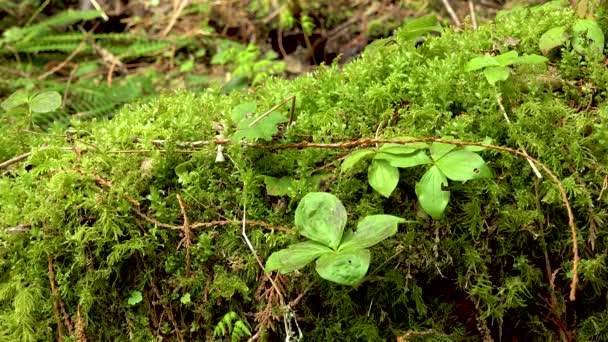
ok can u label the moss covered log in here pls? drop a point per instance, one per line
(131, 228)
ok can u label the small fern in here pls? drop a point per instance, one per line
(231, 325)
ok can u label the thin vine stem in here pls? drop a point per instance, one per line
(371, 141)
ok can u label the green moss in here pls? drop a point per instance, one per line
(483, 265)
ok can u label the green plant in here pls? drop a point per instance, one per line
(341, 257)
(248, 63)
(448, 162)
(584, 35)
(232, 325)
(496, 68)
(38, 103)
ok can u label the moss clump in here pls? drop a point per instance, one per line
(108, 222)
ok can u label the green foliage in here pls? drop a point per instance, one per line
(342, 259)
(495, 68)
(585, 34)
(496, 261)
(383, 173)
(232, 325)
(250, 64)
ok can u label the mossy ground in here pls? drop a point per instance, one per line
(498, 265)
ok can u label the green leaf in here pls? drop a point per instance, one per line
(183, 168)
(185, 299)
(481, 62)
(239, 112)
(279, 186)
(463, 165)
(241, 329)
(587, 34)
(383, 177)
(405, 160)
(321, 217)
(430, 194)
(506, 58)
(397, 149)
(15, 100)
(253, 129)
(135, 298)
(371, 230)
(295, 256)
(553, 38)
(347, 267)
(495, 74)
(530, 59)
(419, 27)
(439, 150)
(45, 102)
(355, 157)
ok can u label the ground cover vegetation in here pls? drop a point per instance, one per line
(450, 185)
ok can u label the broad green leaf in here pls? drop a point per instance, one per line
(135, 298)
(481, 62)
(507, 58)
(439, 150)
(295, 256)
(587, 33)
(383, 177)
(553, 38)
(239, 112)
(530, 59)
(405, 160)
(463, 165)
(430, 194)
(355, 157)
(397, 149)
(321, 217)
(45, 102)
(495, 74)
(183, 168)
(347, 267)
(15, 100)
(419, 27)
(253, 129)
(278, 186)
(371, 230)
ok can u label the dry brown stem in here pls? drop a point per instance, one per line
(51, 276)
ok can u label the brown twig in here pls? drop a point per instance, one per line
(363, 142)
(20, 228)
(473, 15)
(51, 275)
(187, 233)
(64, 63)
(451, 12)
(26, 155)
(174, 17)
(275, 107)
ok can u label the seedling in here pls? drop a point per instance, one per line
(341, 256)
(496, 68)
(448, 162)
(44, 102)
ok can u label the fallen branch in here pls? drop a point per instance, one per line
(364, 142)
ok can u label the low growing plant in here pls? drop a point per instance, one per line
(447, 162)
(342, 256)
